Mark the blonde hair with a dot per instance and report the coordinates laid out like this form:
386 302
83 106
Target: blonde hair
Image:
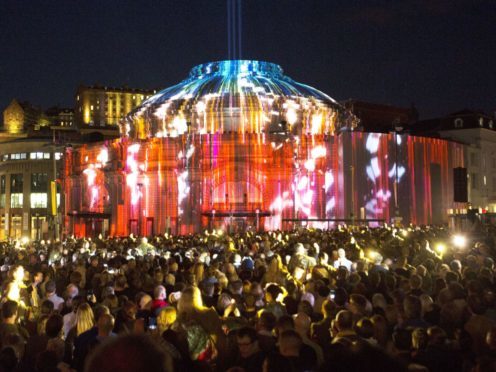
85 319
166 318
189 302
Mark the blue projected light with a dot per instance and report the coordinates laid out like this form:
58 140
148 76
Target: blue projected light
238 95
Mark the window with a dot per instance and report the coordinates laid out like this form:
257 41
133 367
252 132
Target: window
458 123
58 155
39 182
39 200
3 182
474 159
16 200
5 157
474 178
36 155
16 183
16 190
46 155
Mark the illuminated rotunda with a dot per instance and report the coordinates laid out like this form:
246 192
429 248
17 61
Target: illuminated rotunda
240 145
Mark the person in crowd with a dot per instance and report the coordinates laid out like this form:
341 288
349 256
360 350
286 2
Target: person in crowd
342 260
51 295
249 355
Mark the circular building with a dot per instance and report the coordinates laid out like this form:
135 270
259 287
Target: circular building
238 145
235 97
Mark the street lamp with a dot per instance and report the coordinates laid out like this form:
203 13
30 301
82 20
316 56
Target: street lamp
139 186
397 129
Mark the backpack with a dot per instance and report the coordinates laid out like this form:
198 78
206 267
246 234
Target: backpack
200 345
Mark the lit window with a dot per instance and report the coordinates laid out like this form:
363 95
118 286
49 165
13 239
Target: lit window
46 155
77 97
39 200
58 155
91 107
16 200
23 155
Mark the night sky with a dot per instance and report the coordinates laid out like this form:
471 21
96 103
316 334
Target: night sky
438 54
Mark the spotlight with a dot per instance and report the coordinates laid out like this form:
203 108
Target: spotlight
440 248
459 241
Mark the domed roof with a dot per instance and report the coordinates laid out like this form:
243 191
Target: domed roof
234 96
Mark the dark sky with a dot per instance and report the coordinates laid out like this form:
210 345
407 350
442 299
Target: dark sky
438 54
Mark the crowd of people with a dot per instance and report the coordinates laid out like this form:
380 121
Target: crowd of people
349 299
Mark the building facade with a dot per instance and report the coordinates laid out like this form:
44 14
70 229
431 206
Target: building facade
478 132
27 169
101 106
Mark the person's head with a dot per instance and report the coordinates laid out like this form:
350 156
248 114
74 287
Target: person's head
341 253
358 304
284 323
9 310
247 340
266 321
328 308
105 324
344 320
419 339
38 277
300 248
145 302
50 287
46 307
272 292
412 307
41 324
190 300
427 303
415 281
166 317
129 310
72 291
491 338
53 327
365 328
159 292
290 343
18 273
133 353
85 319
302 324
437 335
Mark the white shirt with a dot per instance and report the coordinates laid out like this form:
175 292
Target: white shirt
69 322
56 300
343 262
